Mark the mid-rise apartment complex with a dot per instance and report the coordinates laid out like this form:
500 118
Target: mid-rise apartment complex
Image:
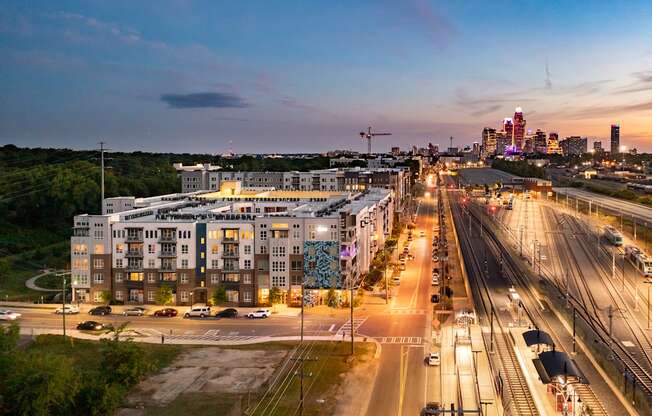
209 178
246 239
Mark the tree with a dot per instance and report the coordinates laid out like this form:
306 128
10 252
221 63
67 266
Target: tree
275 296
41 385
219 296
331 298
106 296
164 295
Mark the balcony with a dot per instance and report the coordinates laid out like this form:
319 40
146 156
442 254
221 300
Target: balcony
134 253
167 268
134 238
81 232
135 267
167 238
230 254
167 253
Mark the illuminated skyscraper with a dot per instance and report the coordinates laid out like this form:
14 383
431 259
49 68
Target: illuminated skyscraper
552 147
615 139
508 128
488 142
519 130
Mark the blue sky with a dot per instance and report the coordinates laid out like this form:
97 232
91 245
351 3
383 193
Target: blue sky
307 76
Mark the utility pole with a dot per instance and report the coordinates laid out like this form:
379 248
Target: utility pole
63 303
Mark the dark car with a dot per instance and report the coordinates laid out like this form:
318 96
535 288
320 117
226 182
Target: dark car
90 326
227 313
100 310
166 312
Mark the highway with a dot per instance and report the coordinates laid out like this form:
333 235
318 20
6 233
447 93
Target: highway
615 205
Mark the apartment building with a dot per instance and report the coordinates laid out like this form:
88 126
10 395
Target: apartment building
209 178
247 240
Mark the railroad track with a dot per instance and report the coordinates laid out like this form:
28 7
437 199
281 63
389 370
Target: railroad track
517 398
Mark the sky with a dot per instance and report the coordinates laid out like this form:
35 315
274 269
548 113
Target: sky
307 76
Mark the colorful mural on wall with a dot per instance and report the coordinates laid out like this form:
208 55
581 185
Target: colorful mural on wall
321 265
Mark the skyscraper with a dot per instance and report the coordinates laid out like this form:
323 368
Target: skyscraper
615 139
573 145
488 142
508 128
552 147
540 141
519 129
502 142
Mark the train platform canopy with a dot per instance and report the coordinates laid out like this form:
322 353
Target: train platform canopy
557 367
537 337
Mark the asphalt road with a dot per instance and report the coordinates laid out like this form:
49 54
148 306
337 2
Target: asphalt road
402 384
629 209
482 176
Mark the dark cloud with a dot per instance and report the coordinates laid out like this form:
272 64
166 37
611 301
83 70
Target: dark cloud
643 83
204 100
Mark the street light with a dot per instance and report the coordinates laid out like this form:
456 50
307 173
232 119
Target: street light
623 149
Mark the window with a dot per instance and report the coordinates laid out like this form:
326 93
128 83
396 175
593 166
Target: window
263 249
151 278
246 296
247 249
228 234
151 249
246 278
297 265
230 265
232 295
118 295
98 263
151 296
151 263
184 248
278 281
215 264
119 248
262 265
215 278
263 235
246 235
184 296
97 297
215 249
247 264
184 264
118 263
98 278
231 277
118 277
184 278
296 250
99 248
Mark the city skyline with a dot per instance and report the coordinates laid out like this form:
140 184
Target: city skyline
278 79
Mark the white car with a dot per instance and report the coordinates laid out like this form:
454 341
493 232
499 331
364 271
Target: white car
434 359
69 309
396 280
260 313
435 281
7 315
201 312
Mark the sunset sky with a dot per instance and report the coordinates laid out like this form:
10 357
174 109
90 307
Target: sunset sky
293 76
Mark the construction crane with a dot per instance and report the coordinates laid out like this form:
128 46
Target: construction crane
370 135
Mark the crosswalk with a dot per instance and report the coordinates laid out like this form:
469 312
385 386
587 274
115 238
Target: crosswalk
346 328
400 340
408 312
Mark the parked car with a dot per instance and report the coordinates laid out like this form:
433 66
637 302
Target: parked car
69 309
410 256
100 310
135 311
396 280
434 359
169 312
90 326
260 313
7 315
198 312
435 281
227 313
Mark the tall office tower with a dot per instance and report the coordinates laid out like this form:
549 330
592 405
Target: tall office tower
552 147
573 145
502 142
519 130
488 142
540 141
476 149
615 139
508 128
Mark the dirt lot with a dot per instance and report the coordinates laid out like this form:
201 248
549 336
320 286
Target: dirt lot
210 371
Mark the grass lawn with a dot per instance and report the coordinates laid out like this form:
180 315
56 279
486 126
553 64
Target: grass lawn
84 353
197 404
